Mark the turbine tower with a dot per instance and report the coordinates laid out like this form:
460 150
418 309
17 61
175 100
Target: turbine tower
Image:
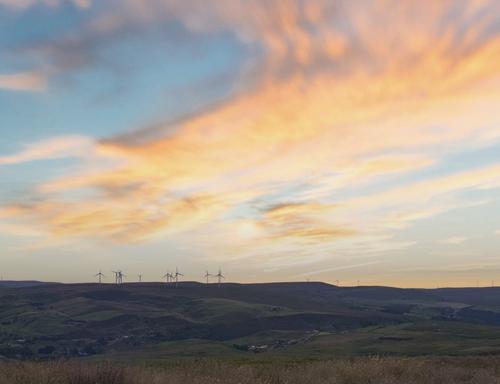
140 277
167 276
219 277
207 275
100 275
120 277
176 276
117 277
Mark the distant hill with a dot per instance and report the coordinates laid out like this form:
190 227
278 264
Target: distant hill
155 320
20 283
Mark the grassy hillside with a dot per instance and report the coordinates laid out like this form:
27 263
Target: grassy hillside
359 371
282 320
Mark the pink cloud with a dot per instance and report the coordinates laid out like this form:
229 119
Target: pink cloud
23 81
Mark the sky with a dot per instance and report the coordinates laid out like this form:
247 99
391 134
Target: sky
326 140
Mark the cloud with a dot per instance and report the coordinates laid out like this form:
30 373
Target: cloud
23 81
338 268
302 221
54 148
341 102
454 240
120 219
421 199
11 229
22 4
300 36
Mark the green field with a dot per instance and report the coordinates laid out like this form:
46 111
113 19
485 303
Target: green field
252 322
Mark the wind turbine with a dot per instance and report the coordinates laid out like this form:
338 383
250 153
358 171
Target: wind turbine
140 277
176 276
219 277
167 276
207 275
100 275
117 276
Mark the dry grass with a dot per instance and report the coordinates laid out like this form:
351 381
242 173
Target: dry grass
479 370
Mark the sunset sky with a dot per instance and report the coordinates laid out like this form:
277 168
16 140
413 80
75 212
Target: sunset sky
281 140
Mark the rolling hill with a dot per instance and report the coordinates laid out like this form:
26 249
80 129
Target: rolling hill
154 320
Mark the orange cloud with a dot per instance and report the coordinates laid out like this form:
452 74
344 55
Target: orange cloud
338 105
120 219
302 221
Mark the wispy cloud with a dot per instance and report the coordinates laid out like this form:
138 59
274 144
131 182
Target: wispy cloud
54 148
23 81
342 102
22 4
304 37
454 240
306 221
338 268
11 229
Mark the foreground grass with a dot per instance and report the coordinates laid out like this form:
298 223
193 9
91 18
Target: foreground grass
471 370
